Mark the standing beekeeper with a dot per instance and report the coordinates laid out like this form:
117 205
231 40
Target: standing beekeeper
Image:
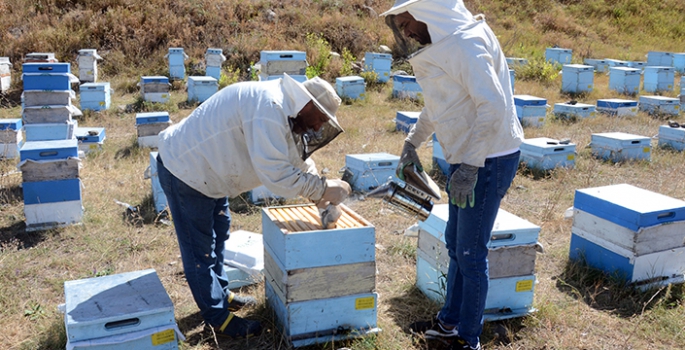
469 105
246 135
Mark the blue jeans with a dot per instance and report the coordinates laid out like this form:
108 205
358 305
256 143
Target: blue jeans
201 225
467 235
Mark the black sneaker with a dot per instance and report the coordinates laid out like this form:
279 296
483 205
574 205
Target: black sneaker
237 302
236 327
459 343
433 329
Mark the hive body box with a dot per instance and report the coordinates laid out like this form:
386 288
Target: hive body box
512 253
659 58
11 138
88 65
320 283
275 63
154 88
617 107
351 87
50 114
5 74
50 131
672 137
124 311
48 76
404 120
641 240
149 125
365 172
571 111
516 61
679 62
40 57
619 146
557 55
577 78
95 96
177 67
89 138
201 88
379 63
637 64
214 58
531 110
600 65
660 105
616 63
624 80
244 258
544 154
659 79
39 98
405 86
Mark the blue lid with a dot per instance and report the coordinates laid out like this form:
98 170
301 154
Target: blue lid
10 124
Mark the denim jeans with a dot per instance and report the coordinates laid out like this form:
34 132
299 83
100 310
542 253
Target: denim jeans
201 225
467 235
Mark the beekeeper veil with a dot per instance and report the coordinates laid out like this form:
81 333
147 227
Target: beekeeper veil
442 17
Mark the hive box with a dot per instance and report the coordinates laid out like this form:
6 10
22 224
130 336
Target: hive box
439 161
557 55
40 57
616 63
544 154
379 63
659 58
405 120
39 98
90 138
95 96
405 86
158 196
10 124
88 65
660 105
319 282
577 78
365 172
279 62
149 125
617 107
201 88
214 57
5 74
50 114
672 137
154 88
11 138
658 79
52 203
48 81
637 64
49 150
176 58
244 258
50 131
619 146
531 110
49 170
570 111
516 61
624 80
352 87
45 68
129 311
600 65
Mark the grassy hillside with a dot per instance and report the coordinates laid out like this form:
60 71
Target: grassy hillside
577 308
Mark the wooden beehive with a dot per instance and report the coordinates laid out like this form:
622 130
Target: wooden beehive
307 218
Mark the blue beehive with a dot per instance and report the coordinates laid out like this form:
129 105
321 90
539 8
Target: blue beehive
544 154
11 138
214 58
679 62
148 127
41 68
616 63
177 68
600 65
405 86
638 240
660 105
619 146
637 64
617 107
379 63
439 161
314 296
123 311
154 88
511 255
158 196
89 138
365 172
516 61
152 117
51 191
659 58
577 78
49 150
52 203
48 81
557 55
95 96
10 124
531 110
405 120
573 111
276 63
672 137
624 80
659 79
200 88
50 131
351 87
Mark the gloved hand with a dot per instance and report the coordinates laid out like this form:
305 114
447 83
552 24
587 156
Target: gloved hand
408 157
462 184
335 193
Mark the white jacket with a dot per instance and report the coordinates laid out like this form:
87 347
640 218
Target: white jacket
466 86
239 139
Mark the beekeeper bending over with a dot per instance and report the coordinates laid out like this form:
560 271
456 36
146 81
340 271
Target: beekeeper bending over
246 135
469 105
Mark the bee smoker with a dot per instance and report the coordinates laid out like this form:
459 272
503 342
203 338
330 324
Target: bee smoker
413 197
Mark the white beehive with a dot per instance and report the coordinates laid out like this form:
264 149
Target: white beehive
88 65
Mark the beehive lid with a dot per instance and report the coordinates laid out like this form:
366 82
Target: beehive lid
301 218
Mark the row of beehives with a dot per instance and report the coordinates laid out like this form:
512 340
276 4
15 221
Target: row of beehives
563 56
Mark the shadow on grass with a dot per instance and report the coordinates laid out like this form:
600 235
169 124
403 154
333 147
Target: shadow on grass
54 337
12 195
611 292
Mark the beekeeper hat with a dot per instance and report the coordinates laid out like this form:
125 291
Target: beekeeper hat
399 7
324 97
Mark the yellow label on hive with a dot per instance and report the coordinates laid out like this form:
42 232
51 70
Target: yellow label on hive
571 157
364 303
163 337
646 150
524 286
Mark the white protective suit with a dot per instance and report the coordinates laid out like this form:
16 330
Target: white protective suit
239 139
465 80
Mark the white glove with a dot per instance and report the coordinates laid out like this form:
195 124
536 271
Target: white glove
335 193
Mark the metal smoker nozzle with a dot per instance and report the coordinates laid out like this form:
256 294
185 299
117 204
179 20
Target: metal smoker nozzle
405 198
